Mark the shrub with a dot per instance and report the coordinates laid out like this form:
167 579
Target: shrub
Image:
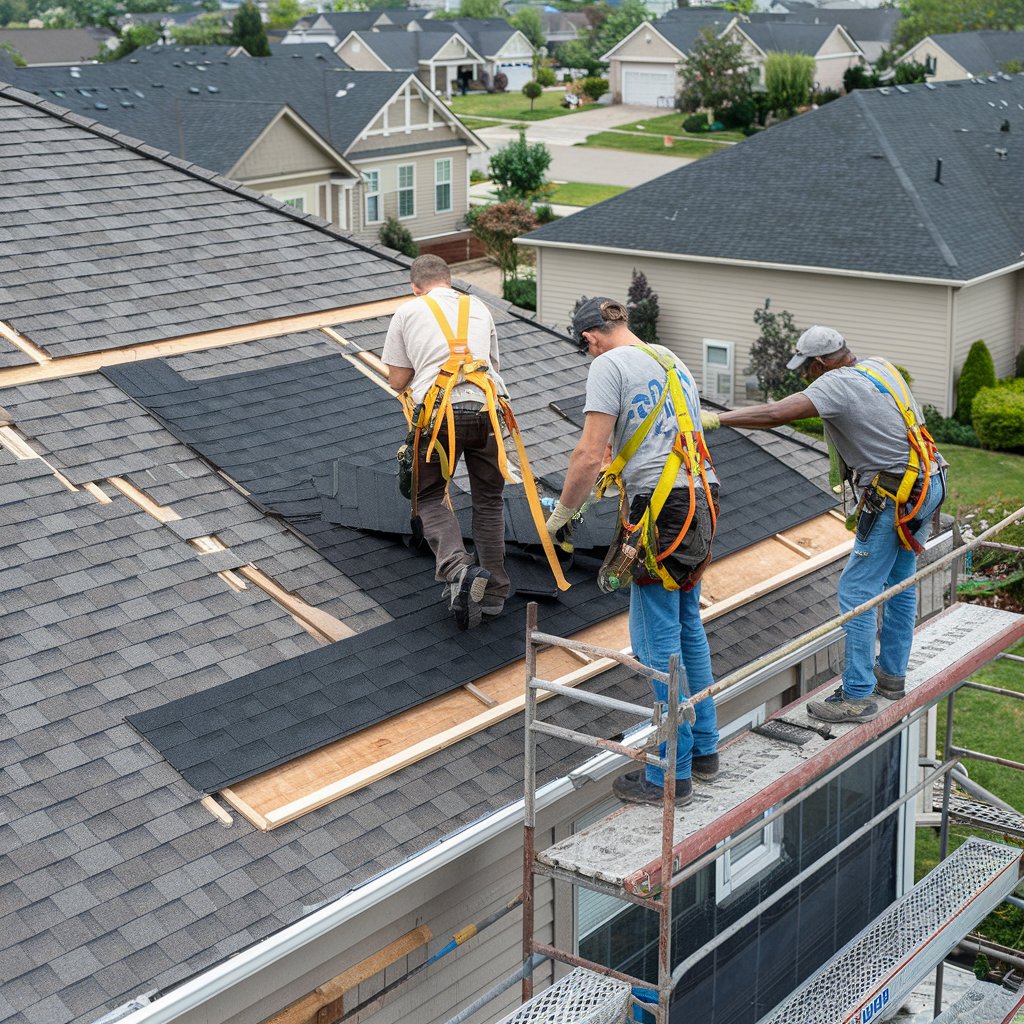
594 88
498 226
823 96
788 78
544 213
476 176
948 430
546 76
500 83
1018 370
998 415
522 293
397 236
812 426
531 91
740 115
859 77
518 169
695 123
642 303
978 372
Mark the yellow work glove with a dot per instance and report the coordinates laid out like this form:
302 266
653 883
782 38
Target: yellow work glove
709 420
559 518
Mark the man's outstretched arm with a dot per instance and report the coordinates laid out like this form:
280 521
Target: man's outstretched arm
774 414
585 463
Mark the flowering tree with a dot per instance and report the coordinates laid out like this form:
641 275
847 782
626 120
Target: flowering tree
642 303
498 226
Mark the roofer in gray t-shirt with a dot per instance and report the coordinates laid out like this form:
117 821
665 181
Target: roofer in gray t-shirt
859 403
626 383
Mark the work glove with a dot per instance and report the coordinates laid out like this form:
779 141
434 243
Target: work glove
709 420
559 518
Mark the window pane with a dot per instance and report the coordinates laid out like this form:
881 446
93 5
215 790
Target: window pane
372 181
443 198
372 208
405 204
295 201
405 173
443 171
717 356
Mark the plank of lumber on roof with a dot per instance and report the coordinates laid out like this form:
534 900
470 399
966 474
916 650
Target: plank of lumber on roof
315 779
22 344
70 366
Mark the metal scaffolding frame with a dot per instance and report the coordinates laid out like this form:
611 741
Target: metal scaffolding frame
659 898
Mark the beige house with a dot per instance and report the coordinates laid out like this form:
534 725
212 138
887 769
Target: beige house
956 56
643 68
840 216
352 147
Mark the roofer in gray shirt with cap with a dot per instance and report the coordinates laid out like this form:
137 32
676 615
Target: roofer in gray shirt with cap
875 425
643 401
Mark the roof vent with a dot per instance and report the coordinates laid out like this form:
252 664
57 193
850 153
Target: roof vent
194 89
133 60
1005 126
929 85
212 88
75 73
990 103
902 88
340 93
177 63
1001 153
127 103
885 90
101 106
157 85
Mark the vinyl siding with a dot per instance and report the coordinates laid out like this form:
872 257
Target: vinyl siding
905 322
946 69
399 119
285 149
990 311
426 223
358 56
646 43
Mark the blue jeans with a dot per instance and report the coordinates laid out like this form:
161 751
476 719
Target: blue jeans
666 622
876 563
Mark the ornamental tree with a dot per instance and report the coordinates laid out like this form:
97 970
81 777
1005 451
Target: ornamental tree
771 351
247 30
714 73
498 226
642 303
518 169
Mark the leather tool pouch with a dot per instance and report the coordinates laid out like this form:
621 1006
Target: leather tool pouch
406 456
872 508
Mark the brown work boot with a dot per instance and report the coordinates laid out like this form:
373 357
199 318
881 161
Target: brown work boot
889 687
633 788
837 707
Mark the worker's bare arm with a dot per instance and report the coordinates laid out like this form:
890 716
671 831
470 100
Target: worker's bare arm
400 377
775 414
587 458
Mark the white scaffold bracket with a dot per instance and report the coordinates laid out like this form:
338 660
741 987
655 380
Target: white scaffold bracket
581 997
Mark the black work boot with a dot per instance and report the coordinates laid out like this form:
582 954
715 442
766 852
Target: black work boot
705 767
633 788
889 687
465 592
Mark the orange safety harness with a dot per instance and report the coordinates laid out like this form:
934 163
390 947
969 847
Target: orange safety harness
436 408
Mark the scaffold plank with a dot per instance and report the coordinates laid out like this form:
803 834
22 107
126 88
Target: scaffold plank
757 772
872 974
581 997
982 1003
995 819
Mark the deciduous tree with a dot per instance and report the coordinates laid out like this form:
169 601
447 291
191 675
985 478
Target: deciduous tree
930 17
527 20
132 37
619 23
247 30
715 72
481 9
531 91
518 170
498 226
771 351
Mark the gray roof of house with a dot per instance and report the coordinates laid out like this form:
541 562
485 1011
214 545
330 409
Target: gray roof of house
984 52
113 879
56 45
874 24
170 250
682 26
344 22
849 186
788 37
172 99
401 50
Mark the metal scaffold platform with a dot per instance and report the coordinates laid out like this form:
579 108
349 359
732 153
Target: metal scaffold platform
869 978
976 814
983 1003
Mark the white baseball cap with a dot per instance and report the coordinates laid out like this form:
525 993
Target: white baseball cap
816 341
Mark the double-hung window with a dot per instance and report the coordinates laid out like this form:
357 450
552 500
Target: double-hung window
372 182
443 185
407 190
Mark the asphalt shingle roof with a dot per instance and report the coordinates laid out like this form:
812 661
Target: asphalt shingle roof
141 249
984 52
682 26
185 102
788 37
113 879
849 186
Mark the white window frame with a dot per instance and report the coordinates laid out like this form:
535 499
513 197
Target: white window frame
372 193
411 189
297 198
713 394
438 183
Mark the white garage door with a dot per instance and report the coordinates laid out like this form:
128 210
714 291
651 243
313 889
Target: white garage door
644 88
518 74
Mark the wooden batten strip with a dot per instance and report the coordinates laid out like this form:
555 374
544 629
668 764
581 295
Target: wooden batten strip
365 370
325 1004
335 336
374 361
332 628
793 546
22 344
16 444
210 803
70 366
485 699
161 513
98 493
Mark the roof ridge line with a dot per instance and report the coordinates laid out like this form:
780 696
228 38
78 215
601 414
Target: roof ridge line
904 180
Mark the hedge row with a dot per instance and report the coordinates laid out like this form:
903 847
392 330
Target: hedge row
997 414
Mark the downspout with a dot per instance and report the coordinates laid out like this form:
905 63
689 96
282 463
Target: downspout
951 351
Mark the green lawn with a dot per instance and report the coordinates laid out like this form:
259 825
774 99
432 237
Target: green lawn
475 123
511 105
578 193
672 124
977 477
992 724
691 147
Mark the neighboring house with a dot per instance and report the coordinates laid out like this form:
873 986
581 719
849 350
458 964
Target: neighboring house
208 614
433 48
895 215
332 26
962 55
561 26
644 66
353 147
831 47
45 46
872 28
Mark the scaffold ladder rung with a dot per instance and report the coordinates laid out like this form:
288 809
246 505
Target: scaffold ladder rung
872 974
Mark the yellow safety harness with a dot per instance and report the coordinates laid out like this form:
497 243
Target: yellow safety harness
919 464
688 450
436 409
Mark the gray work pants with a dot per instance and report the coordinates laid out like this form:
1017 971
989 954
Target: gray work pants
474 441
